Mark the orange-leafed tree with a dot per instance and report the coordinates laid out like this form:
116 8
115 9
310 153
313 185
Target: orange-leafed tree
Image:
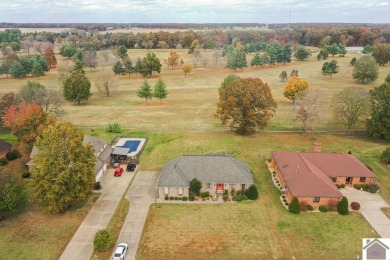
173 59
295 88
246 104
50 57
27 121
187 69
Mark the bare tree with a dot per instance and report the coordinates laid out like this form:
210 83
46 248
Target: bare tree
204 60
6 49
105 83
28 43
105 55
196 56
89 59
217 54
306 110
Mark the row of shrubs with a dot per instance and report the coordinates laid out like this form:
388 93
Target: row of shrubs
340 186
341 207
10 156
373 188
184 198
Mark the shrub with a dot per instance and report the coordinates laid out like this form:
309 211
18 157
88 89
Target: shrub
309 207
365 186
225 197
342 185
338 186
26 175
284 200
184 198
207 194
113 128
238 193
97 186
203 195
13 198
225 192
323 208
180 198
286 204
166 197
171 198
252 192
342 208
195 186
12 155
239 198
102 240
373 188
283 196
357 186
294 206
355 205
385 157
176 198
3 161
277 181
232 192
191 197
245 197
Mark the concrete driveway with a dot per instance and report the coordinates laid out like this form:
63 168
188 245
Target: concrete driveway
141 194
370 207
81 245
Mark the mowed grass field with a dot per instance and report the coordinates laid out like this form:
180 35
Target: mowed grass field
191 102
261 229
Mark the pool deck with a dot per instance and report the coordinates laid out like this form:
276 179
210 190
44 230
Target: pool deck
122 141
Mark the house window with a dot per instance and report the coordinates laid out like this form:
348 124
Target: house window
233 186
334 179
316 199
166 190
180 191
208 185
362 179
242 186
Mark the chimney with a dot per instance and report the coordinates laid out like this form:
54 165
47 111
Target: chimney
317 147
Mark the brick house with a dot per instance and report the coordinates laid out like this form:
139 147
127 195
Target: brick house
312 176
4 148
216 172
102 151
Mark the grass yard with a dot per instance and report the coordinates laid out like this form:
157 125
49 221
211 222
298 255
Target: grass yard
34 235
191 103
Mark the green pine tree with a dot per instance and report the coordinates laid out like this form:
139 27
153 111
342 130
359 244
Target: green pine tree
160 90
145 91
342 207
37 70
294 206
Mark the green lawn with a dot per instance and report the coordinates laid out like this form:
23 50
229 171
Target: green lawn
191 103
5 135
262 228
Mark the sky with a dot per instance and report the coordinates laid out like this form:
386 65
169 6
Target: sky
195 11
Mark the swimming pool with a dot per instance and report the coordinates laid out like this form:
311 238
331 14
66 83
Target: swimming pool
131 144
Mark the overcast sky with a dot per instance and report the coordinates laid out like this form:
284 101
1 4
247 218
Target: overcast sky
194 11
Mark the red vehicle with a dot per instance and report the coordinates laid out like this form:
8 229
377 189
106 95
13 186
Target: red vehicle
118 171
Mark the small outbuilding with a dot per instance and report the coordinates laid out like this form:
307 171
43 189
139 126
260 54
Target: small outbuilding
4 148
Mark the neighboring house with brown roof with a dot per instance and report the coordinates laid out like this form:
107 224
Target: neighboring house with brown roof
312 176
216 172
102 152
4 148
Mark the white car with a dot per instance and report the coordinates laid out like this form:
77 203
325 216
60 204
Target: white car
120 251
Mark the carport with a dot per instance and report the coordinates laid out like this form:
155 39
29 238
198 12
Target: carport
119 154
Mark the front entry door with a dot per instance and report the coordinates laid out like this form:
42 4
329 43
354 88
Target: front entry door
348 180
219 186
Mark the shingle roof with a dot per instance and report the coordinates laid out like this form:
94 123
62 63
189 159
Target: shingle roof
206 168
4 146
308 174
97 143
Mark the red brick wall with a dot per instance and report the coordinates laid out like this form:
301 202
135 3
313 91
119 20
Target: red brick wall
355 180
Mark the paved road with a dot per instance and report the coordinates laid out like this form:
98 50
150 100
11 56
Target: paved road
370 207
141 194
81 245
